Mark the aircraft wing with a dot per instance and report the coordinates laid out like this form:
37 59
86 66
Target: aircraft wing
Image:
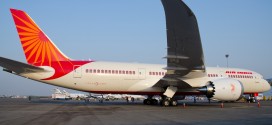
184 49
185 57
18 67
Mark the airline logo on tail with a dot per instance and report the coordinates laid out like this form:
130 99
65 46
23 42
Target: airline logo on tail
38 48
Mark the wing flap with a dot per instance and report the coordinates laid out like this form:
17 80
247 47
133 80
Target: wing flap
18 67
170 81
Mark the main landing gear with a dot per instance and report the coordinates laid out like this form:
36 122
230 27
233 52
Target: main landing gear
167 98
150 101
168 102
165 101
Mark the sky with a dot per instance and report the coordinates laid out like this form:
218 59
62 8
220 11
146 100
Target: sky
135 31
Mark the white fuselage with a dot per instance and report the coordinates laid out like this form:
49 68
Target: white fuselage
134 78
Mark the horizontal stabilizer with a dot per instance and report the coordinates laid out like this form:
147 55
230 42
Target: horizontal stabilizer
18 67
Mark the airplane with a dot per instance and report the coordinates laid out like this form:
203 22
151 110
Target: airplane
269 81
184 74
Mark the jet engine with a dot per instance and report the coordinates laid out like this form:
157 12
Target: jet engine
224 89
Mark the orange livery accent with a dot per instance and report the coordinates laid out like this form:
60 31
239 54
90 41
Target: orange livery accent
38 48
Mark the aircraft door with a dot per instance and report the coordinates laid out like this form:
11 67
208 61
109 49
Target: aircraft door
77 71
141 73
222 74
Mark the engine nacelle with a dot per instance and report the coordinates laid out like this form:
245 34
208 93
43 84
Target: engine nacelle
224 89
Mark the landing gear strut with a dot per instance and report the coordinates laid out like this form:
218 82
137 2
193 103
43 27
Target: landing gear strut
167 99
252 97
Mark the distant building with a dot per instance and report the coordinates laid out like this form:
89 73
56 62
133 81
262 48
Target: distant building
65 95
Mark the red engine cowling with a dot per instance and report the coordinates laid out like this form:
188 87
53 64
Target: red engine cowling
224 89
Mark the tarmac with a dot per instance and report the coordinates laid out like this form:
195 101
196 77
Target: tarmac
61 112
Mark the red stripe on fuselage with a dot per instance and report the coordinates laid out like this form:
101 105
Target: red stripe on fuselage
66 67
144 93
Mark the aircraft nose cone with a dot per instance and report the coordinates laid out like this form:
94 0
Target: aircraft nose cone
267 86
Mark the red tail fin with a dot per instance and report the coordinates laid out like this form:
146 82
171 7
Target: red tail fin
38 48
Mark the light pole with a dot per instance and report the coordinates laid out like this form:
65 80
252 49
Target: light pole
227 57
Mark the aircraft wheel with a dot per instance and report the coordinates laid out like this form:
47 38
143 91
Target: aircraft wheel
165 103
174 103
148 102
145 101
154 102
